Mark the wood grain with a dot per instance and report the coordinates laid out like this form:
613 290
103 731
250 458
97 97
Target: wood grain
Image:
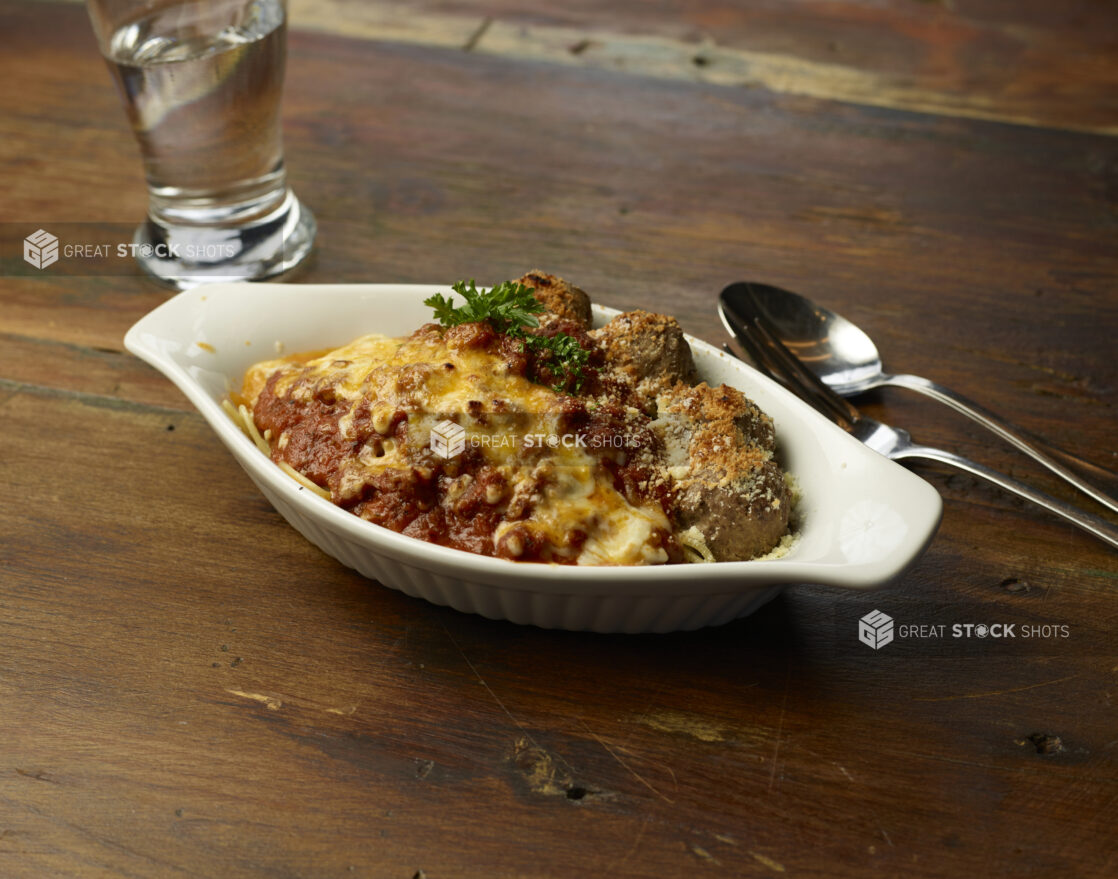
188 688
968 60
1022 65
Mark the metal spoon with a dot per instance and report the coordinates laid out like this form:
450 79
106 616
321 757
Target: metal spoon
847 360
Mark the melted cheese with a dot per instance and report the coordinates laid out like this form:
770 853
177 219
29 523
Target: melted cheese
509 418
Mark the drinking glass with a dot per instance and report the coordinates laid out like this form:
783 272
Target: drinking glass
201 82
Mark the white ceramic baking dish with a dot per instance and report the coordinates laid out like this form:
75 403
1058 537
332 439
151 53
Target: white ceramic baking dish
863 519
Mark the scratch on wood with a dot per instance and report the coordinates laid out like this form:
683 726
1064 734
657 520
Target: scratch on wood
477 35
668 769
625 765
37 775
345 712
272 703
488 689
775 866
992 692
496 698
611 869
939 758
780 725
842 769
651 701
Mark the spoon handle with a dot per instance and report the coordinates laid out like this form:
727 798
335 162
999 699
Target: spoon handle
1100 528
1012 435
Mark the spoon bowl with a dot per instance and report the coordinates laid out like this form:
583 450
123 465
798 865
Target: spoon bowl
836 350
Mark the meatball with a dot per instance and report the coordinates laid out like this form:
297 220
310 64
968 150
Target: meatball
741 519
559 297
647 351
729 488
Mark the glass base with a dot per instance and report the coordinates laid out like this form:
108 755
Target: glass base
184 256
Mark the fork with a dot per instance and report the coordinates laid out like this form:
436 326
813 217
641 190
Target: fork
770 355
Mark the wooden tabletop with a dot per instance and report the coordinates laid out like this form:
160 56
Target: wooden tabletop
188 688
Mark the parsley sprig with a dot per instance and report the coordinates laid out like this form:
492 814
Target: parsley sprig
509 308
